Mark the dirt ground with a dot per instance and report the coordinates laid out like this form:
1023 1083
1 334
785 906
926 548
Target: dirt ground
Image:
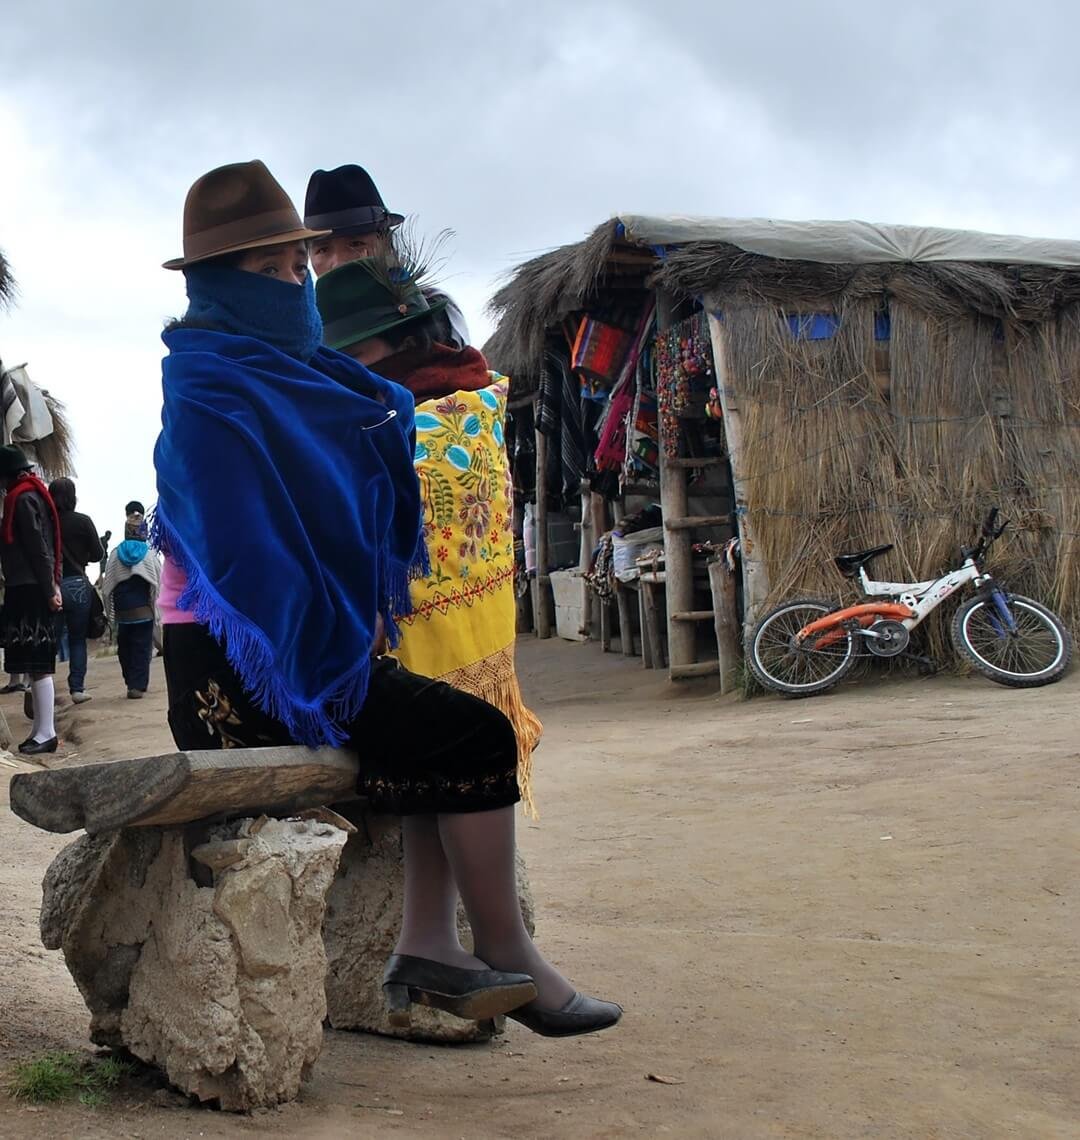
853 916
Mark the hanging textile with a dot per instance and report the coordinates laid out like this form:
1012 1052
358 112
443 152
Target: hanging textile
683 355
559 418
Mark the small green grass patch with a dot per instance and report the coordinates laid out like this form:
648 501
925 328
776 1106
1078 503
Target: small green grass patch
60 1076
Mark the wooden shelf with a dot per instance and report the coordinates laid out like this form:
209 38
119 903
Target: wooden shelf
699 669
690 462
690 522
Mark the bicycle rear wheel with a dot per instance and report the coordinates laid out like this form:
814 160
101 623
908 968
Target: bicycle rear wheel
780 663
1037 653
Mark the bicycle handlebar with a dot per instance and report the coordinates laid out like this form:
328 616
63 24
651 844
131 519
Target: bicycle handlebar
988 535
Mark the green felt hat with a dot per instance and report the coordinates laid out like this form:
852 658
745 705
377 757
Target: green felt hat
365 298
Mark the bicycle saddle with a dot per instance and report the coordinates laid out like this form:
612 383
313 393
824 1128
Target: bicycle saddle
850 564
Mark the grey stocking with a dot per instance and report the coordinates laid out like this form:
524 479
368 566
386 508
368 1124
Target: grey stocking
479 847
429 919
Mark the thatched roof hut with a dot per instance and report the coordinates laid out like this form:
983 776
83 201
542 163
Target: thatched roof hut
890 383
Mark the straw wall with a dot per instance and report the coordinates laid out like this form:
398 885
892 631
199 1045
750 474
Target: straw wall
971 413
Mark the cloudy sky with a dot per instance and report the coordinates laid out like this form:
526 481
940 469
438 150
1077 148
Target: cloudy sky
519 125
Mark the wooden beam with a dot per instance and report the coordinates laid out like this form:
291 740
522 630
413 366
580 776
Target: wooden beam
689 462
725 608
691 522
755 573
647 661
183 786
697 669
693 615
678 557
652 623
626 623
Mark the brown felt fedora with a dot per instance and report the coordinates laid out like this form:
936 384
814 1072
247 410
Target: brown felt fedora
236 207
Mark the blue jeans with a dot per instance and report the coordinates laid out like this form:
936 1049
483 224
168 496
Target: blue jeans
76 616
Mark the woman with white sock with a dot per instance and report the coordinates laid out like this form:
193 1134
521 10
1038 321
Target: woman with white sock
30 554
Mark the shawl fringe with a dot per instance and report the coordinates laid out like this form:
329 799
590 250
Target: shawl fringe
251 655
494 680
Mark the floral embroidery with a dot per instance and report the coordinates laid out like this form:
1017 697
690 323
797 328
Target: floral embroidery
215 710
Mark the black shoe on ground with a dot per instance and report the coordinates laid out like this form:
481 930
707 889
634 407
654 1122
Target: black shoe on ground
581 1014
32 747
15 687
475 995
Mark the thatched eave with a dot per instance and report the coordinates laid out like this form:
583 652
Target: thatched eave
7 282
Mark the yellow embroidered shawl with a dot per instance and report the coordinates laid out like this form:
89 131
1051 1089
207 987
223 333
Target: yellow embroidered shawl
462 629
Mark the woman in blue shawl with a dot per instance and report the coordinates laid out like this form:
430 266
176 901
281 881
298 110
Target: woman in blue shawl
289 516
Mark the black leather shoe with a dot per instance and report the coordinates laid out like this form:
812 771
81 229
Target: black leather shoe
32 748
14 687
475 995
581 1014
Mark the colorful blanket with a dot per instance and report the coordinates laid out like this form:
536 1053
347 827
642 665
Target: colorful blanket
462 628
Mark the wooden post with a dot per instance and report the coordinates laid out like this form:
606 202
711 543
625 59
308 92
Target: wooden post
647 661
626 624
542 596
652 623
726 619
755 573
522 608
678 556
585 549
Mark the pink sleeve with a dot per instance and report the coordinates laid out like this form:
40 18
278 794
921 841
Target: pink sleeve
173 581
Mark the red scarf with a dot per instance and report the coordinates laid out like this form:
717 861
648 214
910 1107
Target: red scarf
434 372
28 482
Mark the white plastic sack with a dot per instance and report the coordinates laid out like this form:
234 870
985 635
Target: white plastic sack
626 551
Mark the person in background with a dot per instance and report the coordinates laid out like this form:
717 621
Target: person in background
31 560
131 584
80 546
347 202
17 683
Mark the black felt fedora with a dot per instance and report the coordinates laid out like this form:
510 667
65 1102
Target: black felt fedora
346 201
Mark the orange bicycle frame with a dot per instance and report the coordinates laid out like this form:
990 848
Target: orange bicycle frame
831 626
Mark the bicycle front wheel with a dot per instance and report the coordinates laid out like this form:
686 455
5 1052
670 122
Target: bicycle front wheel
1036 653
781 663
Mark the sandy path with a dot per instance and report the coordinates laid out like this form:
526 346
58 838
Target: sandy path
846 917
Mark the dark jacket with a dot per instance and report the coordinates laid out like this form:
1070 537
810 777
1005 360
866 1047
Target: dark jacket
80 542
31 558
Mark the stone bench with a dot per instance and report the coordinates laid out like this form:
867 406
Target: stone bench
216 911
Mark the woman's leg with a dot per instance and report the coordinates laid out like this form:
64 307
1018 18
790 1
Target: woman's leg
140 651
445 749
44 691
429 918
480 849
123 650
76 617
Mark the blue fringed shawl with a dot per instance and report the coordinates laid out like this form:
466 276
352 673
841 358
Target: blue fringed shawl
290 501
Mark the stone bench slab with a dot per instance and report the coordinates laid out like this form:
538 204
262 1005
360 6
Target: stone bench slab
181 787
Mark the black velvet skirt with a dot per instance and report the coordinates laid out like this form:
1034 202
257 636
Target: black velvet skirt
28 631
424 747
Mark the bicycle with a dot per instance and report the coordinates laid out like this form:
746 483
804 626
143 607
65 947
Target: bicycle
808 645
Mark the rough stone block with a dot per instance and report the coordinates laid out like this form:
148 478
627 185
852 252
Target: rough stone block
200 949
